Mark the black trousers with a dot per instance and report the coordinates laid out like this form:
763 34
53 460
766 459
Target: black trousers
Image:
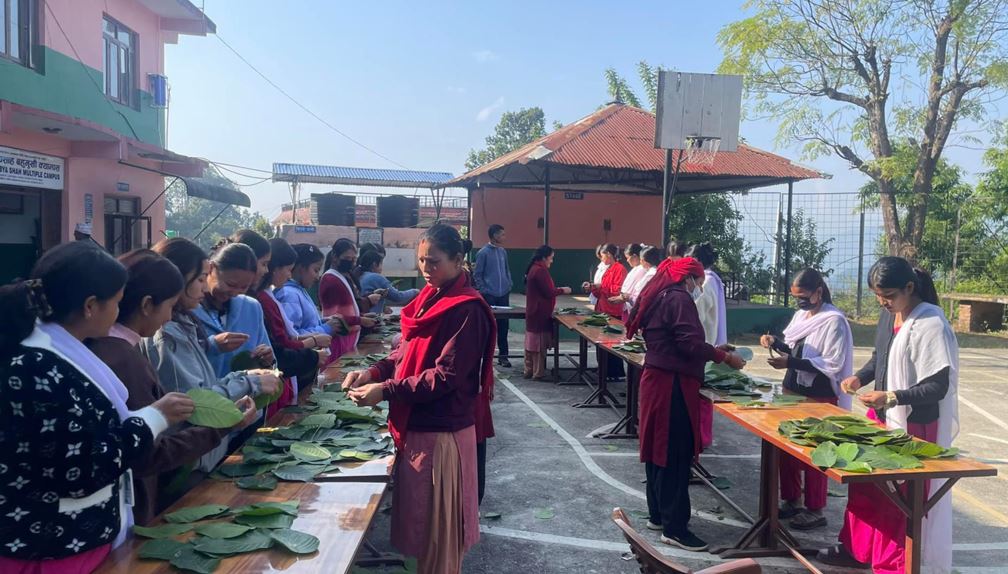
481 468
502 324
668 486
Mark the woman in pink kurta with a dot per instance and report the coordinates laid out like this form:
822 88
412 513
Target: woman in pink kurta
338 291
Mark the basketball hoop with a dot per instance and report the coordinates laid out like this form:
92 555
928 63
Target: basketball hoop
701 150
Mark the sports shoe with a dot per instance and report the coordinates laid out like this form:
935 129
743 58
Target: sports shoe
652 526
504 363
807 520
688 541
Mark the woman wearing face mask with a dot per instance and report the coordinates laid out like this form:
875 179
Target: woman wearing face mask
298 356
670 393
439 383
297 302
609 286
151 292
818 352
711 307
915 367
233 320
67 438
177 349
338 291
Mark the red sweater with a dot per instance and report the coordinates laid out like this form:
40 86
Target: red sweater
540 299
336 298
612 283
275 323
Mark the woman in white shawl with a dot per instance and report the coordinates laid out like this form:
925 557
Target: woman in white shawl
713 317
915 368
818 353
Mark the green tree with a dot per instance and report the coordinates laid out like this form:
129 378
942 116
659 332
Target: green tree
514 130
806 249
621 92
851 78
984 262
187 216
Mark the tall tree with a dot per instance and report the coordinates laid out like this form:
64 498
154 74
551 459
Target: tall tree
806 249
514 130
850 77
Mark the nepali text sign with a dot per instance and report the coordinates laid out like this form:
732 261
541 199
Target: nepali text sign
28 169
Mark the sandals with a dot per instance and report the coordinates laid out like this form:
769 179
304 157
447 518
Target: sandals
837 555
806 520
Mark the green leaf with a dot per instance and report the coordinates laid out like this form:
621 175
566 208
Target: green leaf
545 513
949 452
222 530
213 410
188 559
292 433
162 531
244 469
260 482
299 472
921 449
847 452
295 541
858 467
163 549
491 515
825 455
355 455
309 452
243 361
249 542
271 521
267 508
195 513
318 420
262 401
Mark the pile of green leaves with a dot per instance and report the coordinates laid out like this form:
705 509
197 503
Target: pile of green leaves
573 311
634 346
252 528
857 444
778 401
596 320
335 431
365 361
724 379
612 329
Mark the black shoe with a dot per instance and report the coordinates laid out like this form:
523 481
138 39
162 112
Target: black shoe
787 511
807 520
838 556
504 363
688 541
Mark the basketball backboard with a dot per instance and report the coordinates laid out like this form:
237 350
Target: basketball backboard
698 110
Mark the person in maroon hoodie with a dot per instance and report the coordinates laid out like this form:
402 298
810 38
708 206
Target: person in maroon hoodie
669 429
540 300
438 383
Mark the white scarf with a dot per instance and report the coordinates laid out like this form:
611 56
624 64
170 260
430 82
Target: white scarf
925 345
713 282
599 273
338 275
639 287
829 346
632 278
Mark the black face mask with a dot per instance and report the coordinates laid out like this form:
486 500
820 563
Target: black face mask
804 303
345 266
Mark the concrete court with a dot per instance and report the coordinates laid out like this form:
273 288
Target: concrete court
543 461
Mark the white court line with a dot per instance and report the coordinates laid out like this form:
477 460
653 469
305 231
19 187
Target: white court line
629 454
594 468
984 413
983 436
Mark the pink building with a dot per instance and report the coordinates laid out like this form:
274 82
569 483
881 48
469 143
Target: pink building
82 122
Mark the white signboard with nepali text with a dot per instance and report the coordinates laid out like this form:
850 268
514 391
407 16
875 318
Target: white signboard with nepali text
27 169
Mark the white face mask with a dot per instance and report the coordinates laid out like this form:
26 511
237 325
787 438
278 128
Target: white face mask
696 292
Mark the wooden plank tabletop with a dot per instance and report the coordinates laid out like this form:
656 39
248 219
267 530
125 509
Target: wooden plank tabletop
337 514
508 312
763 422
593 334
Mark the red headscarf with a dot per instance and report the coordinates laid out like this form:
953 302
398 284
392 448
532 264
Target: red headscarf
669 273
420 322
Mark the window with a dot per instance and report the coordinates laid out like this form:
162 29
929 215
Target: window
119 61
17 29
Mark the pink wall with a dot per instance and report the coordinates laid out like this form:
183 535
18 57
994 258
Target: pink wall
574 224
36 142
99 178
82 22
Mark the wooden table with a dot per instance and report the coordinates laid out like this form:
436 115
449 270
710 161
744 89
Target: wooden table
337 514
600 396
768 537
627 425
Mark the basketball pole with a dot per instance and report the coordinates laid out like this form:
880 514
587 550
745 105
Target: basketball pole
668 192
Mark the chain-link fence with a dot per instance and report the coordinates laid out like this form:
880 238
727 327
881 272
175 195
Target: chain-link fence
832 232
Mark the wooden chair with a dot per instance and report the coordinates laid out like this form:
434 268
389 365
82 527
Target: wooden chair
653 562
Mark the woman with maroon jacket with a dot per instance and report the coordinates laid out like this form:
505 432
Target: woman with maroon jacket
670 393
437 381
540 300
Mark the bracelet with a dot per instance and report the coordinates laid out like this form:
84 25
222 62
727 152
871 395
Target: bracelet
890 399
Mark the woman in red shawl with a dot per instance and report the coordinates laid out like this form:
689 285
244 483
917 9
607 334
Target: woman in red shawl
540 300
670 393
610 286
439 384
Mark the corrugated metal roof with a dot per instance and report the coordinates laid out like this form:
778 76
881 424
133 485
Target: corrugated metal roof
334 175
622 137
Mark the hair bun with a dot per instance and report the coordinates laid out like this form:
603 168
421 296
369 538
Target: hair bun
37 301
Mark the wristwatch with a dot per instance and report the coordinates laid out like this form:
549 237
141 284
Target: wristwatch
890 399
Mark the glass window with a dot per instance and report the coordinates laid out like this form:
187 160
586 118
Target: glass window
17 29
14 22
120 55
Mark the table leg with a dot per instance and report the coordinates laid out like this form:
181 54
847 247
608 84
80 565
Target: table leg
601 397
556 351
915 526
627 426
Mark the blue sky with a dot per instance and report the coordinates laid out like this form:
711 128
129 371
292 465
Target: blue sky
424 82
